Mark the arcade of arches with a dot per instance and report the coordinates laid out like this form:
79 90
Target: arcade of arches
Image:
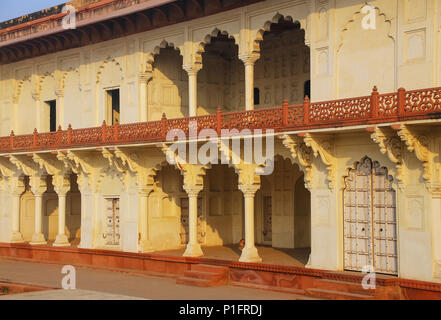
349 196
281 72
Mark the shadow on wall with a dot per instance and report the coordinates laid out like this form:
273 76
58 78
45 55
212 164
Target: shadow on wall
168 90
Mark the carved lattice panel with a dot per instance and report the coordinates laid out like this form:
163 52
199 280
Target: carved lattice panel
370 219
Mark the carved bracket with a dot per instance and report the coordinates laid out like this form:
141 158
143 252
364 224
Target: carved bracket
419 144
27 165
323 146
300 151
391 145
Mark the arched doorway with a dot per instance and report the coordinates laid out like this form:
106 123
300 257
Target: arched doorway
168 89
370 222
283 70
222 75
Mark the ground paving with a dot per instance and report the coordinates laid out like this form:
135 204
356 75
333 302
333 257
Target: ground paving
94 284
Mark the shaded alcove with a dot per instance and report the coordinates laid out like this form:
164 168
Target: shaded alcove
221 79
283 70
167 91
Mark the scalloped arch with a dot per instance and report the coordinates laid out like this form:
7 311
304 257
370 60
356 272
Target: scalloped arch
374 164
64 76
267 27
41 80
103 65
157 51
207 40
354 17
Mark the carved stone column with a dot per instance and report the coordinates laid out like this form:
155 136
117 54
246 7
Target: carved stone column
16 189
144 221
249 183
192 71
249 253
249 60
60 108
39 112
38 187
62 187
193 246
143 79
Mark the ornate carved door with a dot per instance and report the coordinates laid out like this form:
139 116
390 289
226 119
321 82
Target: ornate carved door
370 227
112 235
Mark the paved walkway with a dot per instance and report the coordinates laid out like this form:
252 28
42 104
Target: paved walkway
98 284
269 255
67 295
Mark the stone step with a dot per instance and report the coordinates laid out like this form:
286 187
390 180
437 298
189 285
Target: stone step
209 268
344 286
337 295
203 275
195 282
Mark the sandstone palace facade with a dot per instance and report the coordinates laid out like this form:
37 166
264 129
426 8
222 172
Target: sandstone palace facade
84 115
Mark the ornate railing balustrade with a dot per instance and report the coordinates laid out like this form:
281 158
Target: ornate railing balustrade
374 109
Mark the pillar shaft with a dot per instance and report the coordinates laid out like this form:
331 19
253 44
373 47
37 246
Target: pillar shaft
193 246
61 240
192 71
249 86
144 221
16 235
38 237
249 222
143 80
192 94
249 253
249 60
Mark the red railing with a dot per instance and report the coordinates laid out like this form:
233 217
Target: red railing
374 109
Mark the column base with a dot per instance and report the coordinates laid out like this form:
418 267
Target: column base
38 239
146 246
250 255
61 241
16 237
193 250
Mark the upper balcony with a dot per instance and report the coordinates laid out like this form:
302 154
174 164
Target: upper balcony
367 112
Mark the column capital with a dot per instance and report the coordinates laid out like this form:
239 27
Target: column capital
193 191
249 58
38 184
144 77
249 190
192 69
59 93
16 185
35 95
61 184
145 190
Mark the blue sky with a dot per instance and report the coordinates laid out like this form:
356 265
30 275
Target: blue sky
15 8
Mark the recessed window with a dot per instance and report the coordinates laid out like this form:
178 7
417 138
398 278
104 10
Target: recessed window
52 108
113 106
256 96
307 89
